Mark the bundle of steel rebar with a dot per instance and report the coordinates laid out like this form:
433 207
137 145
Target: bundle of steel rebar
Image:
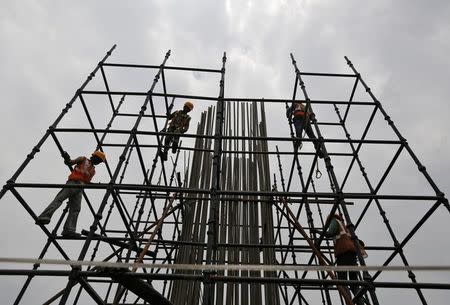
239 221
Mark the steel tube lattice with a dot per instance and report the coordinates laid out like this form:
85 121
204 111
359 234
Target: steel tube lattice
235 193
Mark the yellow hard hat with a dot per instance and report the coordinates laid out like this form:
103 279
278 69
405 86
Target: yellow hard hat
99 154
189 105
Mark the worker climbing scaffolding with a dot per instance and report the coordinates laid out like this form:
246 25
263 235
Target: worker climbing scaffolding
82 173
283 201
345 251
179 124
301 117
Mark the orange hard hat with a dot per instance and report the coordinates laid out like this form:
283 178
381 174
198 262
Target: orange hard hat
189 105
99 154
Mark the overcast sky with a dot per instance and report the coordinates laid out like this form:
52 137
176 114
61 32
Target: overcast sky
49 47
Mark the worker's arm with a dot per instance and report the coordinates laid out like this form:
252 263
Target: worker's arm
77 160
68 161
333 229
171 115
289 111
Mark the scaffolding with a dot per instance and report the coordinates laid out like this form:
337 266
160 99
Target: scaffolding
238 213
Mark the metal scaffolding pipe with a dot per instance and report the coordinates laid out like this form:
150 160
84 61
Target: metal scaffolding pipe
224 212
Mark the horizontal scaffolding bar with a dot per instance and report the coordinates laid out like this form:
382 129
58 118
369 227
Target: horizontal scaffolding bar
160 67
328 74
229 99
213 70
144 116
215 278
311 201
285 139
224 192
201 267
250 152
242 245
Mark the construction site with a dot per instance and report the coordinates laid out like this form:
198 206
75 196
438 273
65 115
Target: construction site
238 212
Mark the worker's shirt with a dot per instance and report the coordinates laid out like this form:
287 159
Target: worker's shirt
179 121
299 110
83 171
342 240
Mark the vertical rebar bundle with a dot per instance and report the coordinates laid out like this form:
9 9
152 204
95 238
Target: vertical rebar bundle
238 220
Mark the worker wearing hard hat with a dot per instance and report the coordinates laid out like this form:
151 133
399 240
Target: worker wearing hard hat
82 173
345 250
179 123
302 121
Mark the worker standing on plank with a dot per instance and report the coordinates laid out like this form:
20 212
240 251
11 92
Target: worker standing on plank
82 173
179 123
302 121
344 250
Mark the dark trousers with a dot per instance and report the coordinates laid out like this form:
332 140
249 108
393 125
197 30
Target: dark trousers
299 124
170 138
74 195
348 259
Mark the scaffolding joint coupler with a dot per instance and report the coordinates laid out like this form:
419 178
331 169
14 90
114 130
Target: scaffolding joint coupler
143 109
35 150
121 158
363 171
75 274
340 196
110 185
9 184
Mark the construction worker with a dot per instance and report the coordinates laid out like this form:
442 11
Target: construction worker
302 121
344 250
82 173
179 123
